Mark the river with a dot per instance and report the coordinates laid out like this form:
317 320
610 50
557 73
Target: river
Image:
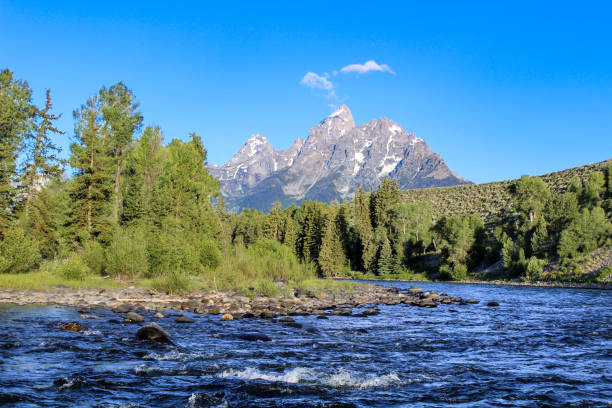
540 347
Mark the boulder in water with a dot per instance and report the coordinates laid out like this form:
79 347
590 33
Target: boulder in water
72 326
427 302
472 301
492 304
286 319
184 319
132 317
414 290
227 317
123 308
154 332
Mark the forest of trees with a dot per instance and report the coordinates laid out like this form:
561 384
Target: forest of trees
128 206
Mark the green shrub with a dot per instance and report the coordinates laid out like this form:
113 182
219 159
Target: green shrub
534 269
74 268
93 255
210 255
19 252
445 272
126 256
603 274
460 272
267 288
174 283
172 252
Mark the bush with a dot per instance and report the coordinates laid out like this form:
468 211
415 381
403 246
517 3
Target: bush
534 269
174 283
267 288
603 274
210 255
19 252
93 255
126 256
74 268
460 272
171 252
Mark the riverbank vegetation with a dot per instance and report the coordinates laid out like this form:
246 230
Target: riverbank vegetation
129 208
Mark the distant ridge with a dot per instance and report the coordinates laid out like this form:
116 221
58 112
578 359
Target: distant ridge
334 160
491 200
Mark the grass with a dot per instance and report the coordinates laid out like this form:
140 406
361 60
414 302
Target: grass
44 279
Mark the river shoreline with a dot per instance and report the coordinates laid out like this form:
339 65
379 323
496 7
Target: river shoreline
232 305
562 285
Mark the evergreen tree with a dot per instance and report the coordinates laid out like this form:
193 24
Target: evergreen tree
332 261
385 262
16 113
92 184
119 111
143 166
309 240
368 245
41 164
273 227
387 195
289 233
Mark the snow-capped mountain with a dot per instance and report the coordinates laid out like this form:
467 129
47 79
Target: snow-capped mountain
335 160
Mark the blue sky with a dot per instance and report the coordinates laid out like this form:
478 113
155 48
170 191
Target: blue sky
499 89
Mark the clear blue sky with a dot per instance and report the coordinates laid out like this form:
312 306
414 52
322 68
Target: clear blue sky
499 89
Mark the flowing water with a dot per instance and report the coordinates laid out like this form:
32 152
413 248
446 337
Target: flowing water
541 347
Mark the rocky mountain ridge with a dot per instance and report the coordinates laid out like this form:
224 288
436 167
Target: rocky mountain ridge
334 160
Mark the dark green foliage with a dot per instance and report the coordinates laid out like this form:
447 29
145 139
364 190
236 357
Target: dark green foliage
463 242
92 182
16 113
19 251
41 162
332 260
210 255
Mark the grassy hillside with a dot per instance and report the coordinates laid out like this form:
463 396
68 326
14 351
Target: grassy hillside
491 200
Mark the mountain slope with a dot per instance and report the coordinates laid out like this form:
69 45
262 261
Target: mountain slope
335 160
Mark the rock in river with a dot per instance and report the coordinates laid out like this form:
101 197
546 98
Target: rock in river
184 319
154 332
492 304
72 326
123 308
414 290
132 317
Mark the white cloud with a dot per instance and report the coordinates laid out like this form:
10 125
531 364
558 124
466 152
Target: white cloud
313 80
368 66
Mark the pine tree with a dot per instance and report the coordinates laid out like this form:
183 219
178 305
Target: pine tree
142 168
119 111
365 231
385 262
289 233
16 114
92 183
273 226
42 163
332 261
387 195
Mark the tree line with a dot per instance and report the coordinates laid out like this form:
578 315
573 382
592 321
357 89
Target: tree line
136 207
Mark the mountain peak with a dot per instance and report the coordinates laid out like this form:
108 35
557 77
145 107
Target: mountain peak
334 160
343 113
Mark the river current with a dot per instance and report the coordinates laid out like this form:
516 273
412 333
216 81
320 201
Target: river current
541 347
